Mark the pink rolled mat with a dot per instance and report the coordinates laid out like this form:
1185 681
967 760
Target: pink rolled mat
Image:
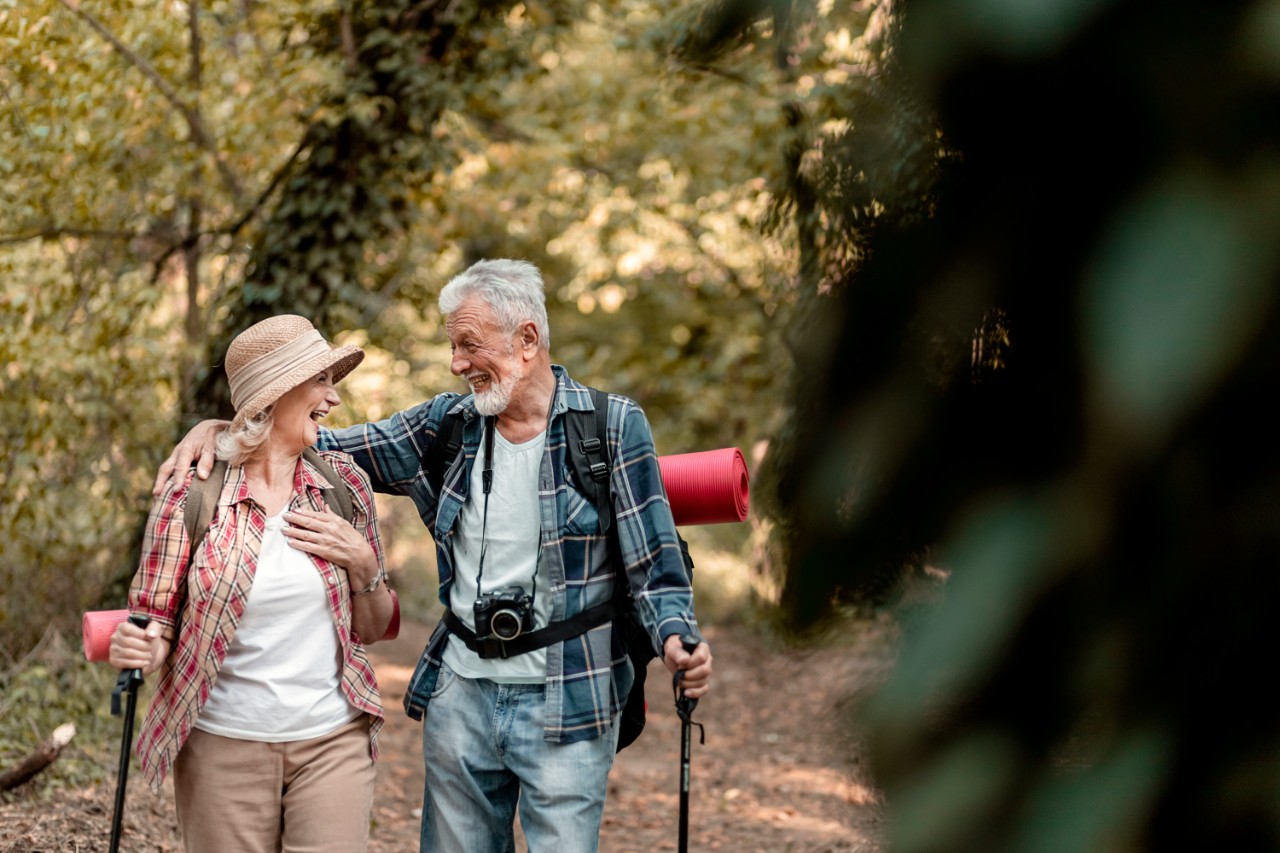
98 626
709 487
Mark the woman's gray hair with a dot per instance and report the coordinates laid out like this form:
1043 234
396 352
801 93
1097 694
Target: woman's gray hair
513 289
238 446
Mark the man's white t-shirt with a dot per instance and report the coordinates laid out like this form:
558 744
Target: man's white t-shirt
511 545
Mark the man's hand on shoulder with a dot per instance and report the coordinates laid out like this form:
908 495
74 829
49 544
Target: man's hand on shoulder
197 445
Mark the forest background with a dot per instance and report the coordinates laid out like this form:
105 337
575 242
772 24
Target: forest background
983 289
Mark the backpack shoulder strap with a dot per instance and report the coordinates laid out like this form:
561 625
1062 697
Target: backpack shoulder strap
587 447
200 502
339 497
444 449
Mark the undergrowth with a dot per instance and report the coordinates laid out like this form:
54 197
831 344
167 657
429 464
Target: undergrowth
51 685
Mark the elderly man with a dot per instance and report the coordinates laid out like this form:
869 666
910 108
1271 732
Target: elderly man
519 547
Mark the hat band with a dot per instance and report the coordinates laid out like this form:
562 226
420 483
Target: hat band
261 372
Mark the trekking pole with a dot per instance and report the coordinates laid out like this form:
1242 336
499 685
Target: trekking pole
128 683
684 709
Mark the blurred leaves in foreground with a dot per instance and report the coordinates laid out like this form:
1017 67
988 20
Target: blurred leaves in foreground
1105 502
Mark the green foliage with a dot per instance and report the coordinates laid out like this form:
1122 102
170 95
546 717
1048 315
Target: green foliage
852 151
81 361
339 239
131 145
642 208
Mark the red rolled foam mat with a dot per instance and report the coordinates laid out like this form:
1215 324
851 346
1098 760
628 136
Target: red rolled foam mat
97 628
709 487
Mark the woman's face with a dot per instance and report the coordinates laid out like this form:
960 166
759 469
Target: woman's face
296 415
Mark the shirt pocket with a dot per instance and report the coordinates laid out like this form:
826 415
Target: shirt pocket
202 581
209 566
579 515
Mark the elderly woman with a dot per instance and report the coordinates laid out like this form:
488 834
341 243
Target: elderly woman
267 708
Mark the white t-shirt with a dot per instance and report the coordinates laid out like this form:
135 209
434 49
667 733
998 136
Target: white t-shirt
511 545
280 680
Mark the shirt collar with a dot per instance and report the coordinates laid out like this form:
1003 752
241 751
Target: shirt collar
305 476
308 476
570 394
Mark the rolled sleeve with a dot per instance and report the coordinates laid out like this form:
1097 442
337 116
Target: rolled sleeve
157 587
650 545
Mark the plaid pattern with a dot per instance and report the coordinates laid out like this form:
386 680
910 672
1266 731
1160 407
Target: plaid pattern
588 676
202 600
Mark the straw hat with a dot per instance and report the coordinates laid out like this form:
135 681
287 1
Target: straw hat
271 358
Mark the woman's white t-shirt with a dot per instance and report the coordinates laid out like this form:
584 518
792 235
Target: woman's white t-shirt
280 680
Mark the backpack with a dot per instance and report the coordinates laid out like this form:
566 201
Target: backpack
587 453
202 496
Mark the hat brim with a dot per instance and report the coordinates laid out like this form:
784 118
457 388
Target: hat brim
340 360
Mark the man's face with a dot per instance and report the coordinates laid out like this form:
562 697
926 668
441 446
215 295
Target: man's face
484 355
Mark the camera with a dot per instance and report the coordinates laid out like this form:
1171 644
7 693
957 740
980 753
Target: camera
504 614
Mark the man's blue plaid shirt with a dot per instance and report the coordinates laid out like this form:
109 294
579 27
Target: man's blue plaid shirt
588 676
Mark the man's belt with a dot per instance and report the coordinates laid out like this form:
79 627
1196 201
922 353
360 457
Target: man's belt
492 647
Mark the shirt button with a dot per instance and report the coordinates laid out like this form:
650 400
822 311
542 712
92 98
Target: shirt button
331 581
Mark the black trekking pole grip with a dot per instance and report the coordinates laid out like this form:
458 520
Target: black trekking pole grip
684 705
127 683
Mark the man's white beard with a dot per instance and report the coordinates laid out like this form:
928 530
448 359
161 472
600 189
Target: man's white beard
495 399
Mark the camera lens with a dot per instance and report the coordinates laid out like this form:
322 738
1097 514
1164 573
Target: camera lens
505 625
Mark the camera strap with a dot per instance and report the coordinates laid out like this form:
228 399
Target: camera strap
488 428
486 480
565 629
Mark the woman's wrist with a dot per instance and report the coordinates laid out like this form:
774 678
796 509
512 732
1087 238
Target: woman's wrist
377 581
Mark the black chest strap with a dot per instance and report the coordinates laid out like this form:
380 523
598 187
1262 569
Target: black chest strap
488 647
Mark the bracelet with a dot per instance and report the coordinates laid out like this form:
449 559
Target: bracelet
377 579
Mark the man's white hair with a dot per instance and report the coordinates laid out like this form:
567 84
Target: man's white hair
513 289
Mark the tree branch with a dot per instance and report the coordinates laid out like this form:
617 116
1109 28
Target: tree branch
42 757
199 133
53 232
284 169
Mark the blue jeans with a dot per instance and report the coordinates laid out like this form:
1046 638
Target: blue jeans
485 756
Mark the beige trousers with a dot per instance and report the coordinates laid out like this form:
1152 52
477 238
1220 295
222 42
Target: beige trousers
248 796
